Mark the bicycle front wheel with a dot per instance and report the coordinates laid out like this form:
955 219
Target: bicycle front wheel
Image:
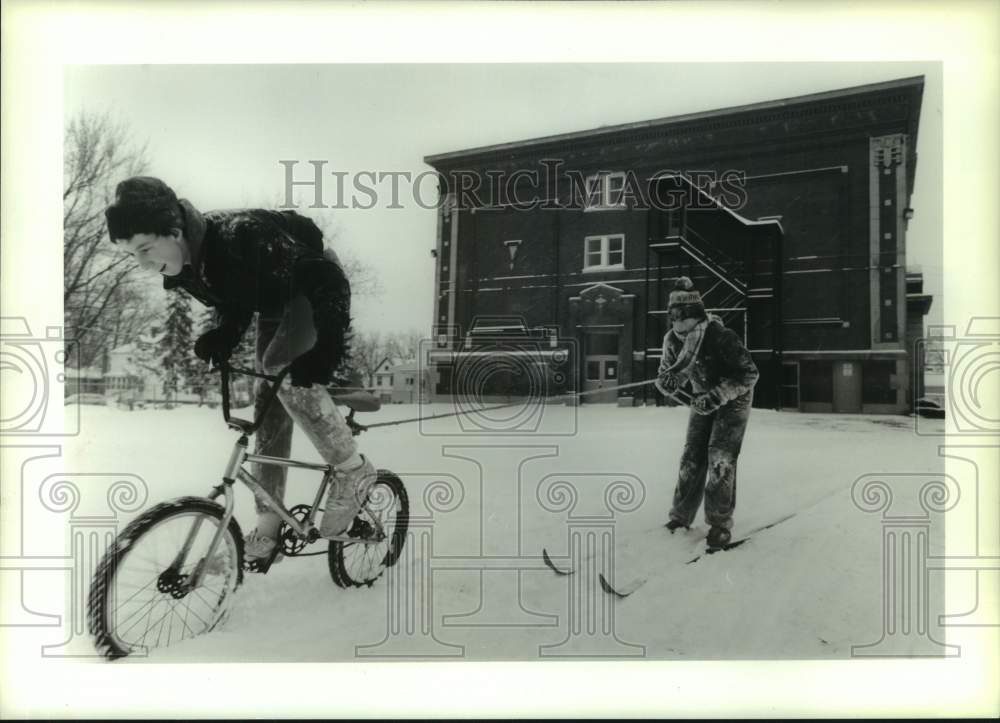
141 596
353 564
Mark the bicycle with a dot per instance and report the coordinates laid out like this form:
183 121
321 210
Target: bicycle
188 552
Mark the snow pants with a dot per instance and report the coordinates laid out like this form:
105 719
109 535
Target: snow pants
280 339
708 464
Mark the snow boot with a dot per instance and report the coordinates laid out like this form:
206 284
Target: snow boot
718 537
673 525
348 493
260 552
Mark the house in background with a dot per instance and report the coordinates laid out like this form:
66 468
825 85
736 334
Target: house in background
802 252
402 383
86 380
132 375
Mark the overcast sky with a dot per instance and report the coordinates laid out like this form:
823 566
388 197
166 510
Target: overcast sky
217 134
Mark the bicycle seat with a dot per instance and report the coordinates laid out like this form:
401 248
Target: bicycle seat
359 400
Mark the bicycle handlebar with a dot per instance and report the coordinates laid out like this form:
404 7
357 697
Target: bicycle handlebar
249 428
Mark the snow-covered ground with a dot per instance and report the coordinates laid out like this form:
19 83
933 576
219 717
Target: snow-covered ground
810 587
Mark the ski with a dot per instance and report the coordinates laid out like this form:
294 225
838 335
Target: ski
566 570
622 590
625 589
736 543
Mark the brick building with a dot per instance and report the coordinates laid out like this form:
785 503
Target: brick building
554 256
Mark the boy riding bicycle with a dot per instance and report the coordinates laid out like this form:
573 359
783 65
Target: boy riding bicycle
273 264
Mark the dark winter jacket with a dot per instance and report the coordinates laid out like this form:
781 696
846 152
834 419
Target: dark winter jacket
722 364
257 260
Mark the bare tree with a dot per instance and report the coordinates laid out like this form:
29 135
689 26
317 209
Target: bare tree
364 279
367 354
403 345
101 303
365 282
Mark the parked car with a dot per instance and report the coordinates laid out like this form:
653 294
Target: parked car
930 408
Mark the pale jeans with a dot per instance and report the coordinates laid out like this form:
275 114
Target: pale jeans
280 339
708 463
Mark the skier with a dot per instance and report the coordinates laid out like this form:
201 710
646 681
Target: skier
272 263
700 354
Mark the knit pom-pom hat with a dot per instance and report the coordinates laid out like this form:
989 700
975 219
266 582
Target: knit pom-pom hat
684 296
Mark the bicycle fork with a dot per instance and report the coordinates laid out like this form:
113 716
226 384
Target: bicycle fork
233 468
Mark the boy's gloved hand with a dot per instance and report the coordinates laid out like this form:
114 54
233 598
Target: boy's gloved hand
708 403
667 384
313 367
216 345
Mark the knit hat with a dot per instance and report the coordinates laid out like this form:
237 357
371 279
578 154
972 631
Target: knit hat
143 205
684 296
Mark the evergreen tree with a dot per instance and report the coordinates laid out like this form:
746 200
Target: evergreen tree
175 345
245 353
243 356
201 379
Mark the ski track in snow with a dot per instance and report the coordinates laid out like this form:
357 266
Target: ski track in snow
810 587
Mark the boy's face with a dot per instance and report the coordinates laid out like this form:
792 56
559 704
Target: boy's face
681 325
160 254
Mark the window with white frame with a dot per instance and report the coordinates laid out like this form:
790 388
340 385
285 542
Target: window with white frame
606 190
602 253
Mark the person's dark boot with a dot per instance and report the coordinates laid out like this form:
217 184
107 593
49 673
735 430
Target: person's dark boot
673 525
718 537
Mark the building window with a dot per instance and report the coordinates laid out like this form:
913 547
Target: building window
790 385
605 190
816 381
604 253
878 382
390 380
378 381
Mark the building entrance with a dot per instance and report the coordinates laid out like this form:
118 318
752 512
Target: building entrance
600 366
847 387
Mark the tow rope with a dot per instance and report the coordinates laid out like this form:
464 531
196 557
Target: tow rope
686 400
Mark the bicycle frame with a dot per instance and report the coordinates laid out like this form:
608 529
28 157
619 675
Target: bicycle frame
235 471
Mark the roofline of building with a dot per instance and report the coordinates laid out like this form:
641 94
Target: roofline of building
825 96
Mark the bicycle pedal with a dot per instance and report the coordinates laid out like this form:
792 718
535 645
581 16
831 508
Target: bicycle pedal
261 565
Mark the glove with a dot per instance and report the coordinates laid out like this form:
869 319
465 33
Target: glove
667 384
707 403
216 345
313 367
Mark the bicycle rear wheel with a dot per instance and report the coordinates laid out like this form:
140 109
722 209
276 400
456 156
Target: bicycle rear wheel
354 564
140 597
